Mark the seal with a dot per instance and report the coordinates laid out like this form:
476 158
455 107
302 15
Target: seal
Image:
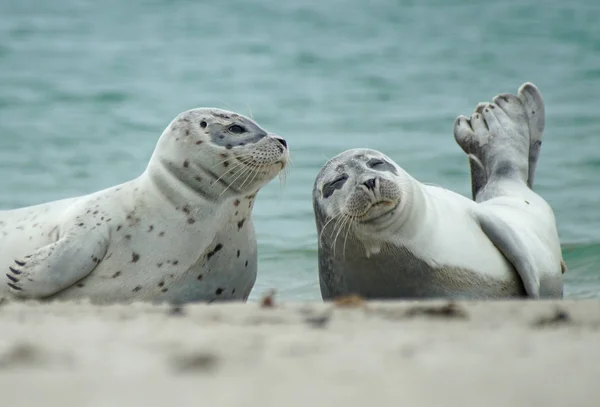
383 234
180 232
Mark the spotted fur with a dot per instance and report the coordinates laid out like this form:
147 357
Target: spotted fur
180 232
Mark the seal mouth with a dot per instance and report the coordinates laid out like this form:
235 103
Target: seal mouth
378 211
263 165
252 171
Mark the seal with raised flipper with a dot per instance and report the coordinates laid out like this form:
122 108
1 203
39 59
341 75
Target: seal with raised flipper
383 234
180 232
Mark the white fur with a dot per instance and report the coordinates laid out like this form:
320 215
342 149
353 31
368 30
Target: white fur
507 234
434 223
441 227
448 232
152 237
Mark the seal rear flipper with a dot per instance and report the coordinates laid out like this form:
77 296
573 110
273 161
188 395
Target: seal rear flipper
54 267
513 248
533 102
478 176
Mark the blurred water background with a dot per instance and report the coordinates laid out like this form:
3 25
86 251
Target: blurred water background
87 87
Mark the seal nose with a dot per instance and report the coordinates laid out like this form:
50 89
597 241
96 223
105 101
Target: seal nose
281 141
370 184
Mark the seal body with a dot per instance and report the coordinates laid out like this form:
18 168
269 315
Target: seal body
383 234
180 232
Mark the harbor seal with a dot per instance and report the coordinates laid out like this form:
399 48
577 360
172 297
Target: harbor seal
180 232
383 234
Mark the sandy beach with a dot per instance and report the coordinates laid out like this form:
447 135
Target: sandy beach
510 353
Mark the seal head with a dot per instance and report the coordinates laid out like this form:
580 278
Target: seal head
219 153
364 190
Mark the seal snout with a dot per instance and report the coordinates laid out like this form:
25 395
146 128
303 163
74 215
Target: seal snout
282 142
373 198
282 148
371 184
372 187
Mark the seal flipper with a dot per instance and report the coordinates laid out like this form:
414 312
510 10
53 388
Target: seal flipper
512 247
464 135
54 267
478 176
533 102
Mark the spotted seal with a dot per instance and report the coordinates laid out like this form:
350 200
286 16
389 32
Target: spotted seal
182 231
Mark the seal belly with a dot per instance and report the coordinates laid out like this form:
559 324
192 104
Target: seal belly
397 273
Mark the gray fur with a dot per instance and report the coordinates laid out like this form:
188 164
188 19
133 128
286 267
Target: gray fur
478 177
396 271
498 162
511 244
508 140
534 105
221 135
511 228
382 165
530 98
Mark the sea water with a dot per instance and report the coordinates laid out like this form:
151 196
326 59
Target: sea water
86 88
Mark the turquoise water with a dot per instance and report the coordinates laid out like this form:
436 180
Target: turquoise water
87 87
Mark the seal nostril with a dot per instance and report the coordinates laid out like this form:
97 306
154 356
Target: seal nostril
370 183
281 141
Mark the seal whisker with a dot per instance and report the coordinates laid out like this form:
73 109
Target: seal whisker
229 159
224 104
350 226
284 174
243 171
225 173
282 181
247 170
346 225
341 223
333 231
331 219
250 168
282 178
254 170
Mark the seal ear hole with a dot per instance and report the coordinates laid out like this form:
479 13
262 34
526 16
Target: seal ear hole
203 124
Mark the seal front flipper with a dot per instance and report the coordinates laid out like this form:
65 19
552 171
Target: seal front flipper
513 248
54 267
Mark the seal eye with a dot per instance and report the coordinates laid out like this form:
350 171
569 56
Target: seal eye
381 165
203 124
236 129
330 187
375 163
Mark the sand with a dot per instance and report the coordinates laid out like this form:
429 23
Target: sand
510 353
